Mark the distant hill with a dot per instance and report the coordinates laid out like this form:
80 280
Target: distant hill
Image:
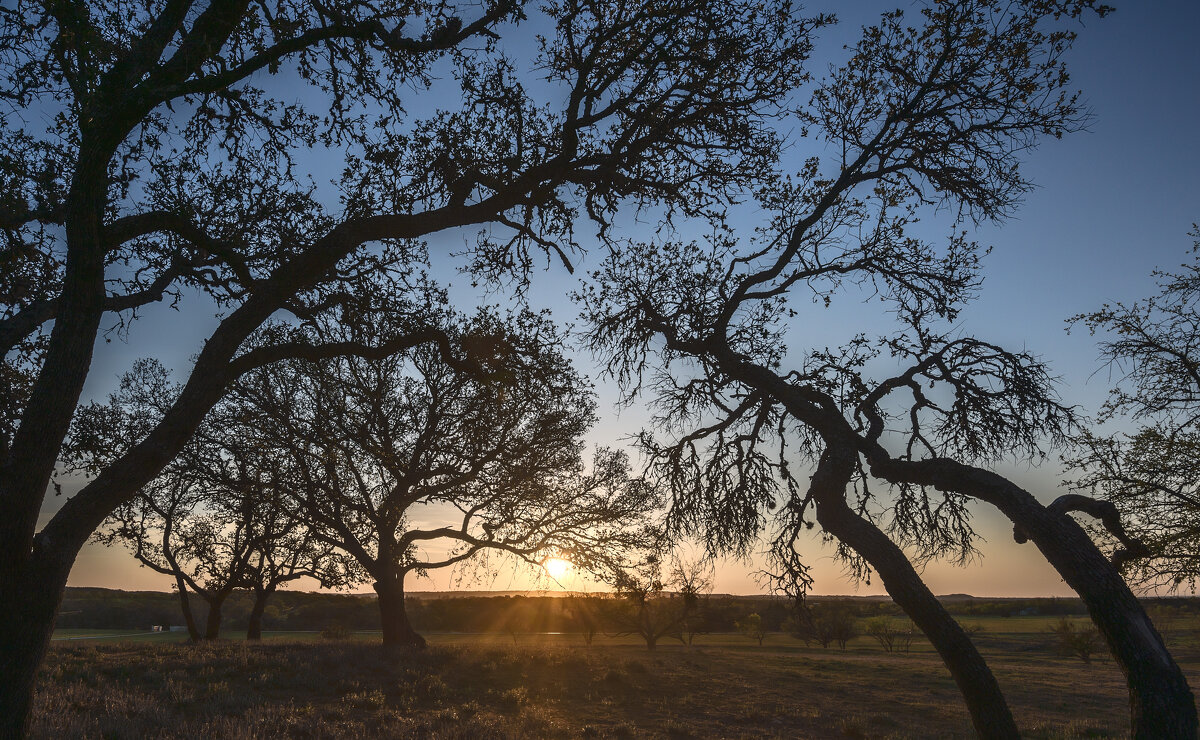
483 611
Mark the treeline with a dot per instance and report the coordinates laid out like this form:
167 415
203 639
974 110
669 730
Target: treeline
99 608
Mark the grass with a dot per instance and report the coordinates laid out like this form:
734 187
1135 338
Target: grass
482 686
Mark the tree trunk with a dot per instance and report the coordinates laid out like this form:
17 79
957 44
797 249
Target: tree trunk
212 627
1161 703
981 692
397 631
186 606
29 603
651 641
254 627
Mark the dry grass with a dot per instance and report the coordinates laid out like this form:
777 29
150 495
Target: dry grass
472 688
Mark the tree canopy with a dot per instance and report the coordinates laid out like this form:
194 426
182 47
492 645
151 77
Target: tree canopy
150 152
1150 474
927 118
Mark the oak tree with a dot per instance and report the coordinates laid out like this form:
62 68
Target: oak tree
409 464
930 115
1149 474
153 151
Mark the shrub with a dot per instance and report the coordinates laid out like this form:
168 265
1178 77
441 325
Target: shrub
1072 639
336 631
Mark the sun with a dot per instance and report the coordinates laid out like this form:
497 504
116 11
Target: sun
556 568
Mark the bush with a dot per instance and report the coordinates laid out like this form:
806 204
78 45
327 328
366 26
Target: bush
336 631
1072 639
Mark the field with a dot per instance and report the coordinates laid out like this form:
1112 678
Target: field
487 686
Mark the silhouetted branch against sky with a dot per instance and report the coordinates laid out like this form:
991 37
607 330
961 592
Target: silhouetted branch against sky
160 152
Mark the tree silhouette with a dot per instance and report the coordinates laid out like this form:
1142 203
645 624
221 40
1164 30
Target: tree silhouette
155 151
652 604
1150 476
899 428
408 464
213 520
751 626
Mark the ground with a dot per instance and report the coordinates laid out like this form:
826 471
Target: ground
485 686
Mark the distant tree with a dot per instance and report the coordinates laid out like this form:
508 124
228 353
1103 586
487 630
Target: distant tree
891 636
1151 476
155 151
213 520
751 626
585 614
899 430
693 578
652 604
373 448
824 623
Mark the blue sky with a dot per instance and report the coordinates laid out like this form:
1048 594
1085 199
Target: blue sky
1111 204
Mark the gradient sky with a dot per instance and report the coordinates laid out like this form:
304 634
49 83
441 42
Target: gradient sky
1111 204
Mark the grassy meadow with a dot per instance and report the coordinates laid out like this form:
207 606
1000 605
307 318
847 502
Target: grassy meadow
107 684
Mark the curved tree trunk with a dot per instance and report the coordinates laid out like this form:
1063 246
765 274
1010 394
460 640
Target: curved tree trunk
981 692
1161 703
397 630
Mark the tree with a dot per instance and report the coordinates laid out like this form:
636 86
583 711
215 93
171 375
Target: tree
652 604
752 626
156 151
374 447
584 614
824 623
899 429
213 519
693 579
891 637
1150 476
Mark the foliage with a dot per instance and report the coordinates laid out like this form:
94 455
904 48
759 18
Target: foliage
926 117
1150 475
936 111
652 604
214 519
369 448
752 626
156 153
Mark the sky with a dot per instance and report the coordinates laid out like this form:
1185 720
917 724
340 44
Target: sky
1110 205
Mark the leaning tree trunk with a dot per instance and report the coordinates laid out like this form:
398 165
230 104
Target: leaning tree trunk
397 630
980 690
1160 701
254 627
